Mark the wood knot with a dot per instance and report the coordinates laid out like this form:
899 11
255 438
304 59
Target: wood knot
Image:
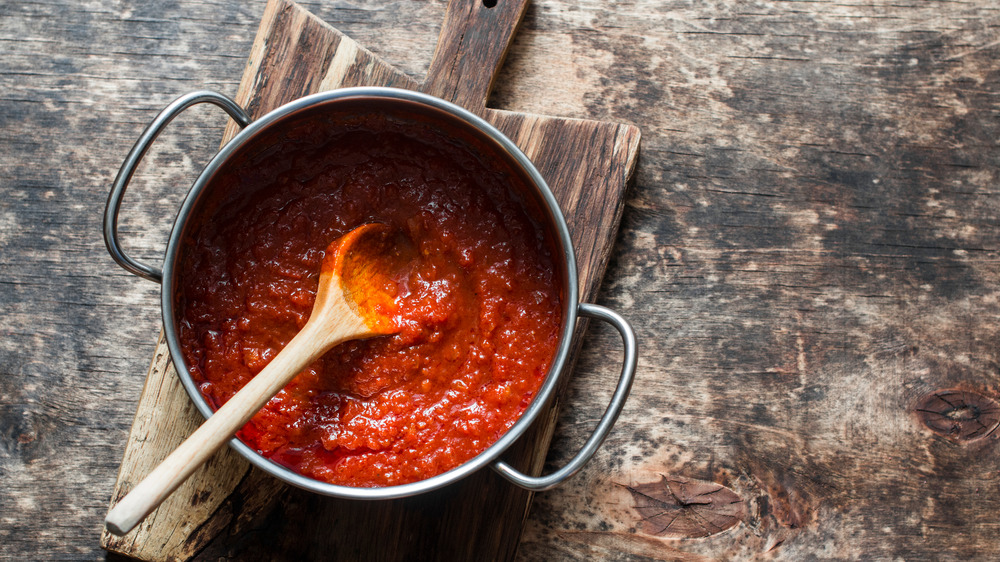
678 507
960 415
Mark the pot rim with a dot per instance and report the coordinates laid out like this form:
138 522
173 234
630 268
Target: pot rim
557 223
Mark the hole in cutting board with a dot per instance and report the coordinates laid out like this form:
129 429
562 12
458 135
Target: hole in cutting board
489 3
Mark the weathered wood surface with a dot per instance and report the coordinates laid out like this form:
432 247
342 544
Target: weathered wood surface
226 509
809 255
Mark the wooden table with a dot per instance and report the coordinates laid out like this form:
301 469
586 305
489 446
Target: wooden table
810 256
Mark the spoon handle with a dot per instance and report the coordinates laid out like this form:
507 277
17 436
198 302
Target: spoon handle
333 320
215 432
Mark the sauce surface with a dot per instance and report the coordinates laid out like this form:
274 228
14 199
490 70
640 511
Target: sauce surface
480 310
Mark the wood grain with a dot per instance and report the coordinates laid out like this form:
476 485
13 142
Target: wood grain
473 45
586 163
810 255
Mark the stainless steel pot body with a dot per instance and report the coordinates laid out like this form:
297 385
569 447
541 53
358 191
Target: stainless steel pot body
393 100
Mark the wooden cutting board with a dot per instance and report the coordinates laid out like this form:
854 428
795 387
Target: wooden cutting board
230 509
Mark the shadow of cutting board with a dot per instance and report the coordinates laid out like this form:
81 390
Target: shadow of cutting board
229 509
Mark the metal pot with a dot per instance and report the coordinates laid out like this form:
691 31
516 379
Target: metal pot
448 115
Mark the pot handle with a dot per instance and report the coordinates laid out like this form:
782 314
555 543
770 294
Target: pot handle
542 483
132 161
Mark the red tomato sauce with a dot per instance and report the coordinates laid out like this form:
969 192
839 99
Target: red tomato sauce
481 309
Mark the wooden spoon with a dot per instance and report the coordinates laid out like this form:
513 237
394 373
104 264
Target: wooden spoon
355 299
